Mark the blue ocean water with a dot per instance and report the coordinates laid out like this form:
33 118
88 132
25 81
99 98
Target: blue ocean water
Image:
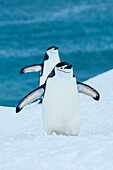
83 31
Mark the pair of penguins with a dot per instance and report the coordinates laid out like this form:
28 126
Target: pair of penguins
58 89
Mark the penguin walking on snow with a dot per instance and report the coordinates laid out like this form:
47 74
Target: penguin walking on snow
60 107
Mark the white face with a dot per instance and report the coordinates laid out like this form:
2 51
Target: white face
53 52
64 69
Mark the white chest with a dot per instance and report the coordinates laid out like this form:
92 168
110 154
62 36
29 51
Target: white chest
61 109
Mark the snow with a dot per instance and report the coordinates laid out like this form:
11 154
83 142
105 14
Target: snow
25 145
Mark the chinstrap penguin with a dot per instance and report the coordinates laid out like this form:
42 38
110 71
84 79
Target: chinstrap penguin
60 107
51 58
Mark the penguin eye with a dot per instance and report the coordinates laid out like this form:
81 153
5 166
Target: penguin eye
61 67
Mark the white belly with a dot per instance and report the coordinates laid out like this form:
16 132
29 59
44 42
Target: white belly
61 108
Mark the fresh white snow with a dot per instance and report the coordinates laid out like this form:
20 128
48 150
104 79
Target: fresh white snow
25 146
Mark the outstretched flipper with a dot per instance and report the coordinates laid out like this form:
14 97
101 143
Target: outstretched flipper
32 96
86 89
31 68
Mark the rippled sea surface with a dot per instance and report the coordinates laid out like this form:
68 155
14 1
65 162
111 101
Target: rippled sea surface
83 31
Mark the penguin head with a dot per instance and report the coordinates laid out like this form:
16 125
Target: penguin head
52 52
52 48
64 68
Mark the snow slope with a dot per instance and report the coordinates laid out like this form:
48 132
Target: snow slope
25 146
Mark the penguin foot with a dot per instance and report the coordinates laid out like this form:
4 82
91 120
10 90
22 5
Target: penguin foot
75 135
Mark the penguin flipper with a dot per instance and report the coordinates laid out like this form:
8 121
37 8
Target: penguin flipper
31 68
86 89
31 97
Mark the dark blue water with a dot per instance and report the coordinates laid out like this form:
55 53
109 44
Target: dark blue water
83 31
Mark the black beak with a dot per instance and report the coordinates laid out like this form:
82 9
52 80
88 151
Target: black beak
55 48
68 67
